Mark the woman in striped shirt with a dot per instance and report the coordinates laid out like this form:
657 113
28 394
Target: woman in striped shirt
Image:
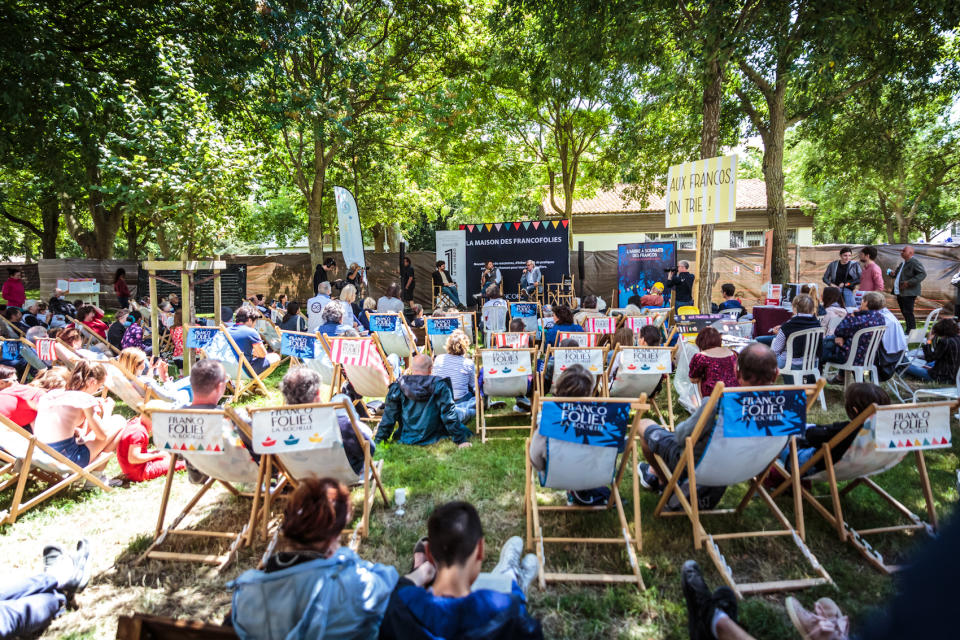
458 367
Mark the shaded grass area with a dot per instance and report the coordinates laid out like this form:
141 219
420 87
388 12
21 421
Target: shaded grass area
490 476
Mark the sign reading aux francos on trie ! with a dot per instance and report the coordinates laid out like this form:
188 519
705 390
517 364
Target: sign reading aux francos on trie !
702 192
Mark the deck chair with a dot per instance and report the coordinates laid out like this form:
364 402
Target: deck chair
593 360
126 387
494 321
744 451
812 345
304 441
468 324
600 324
91 338
11 350
29 352
585 457
438 330
269 332
394 334
584 338
528 312
206 438
877 448
144 627
919 334
307 350
506 374
639 373
361 361
25 457
441 299
10 330
872 336
513 340
243 377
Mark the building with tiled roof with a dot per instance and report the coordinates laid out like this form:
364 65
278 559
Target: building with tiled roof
621 215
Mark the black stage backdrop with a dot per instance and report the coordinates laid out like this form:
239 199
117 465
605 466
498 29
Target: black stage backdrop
510 245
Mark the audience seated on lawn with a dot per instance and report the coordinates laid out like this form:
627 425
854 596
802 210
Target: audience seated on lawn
833 310
91 317
316 305
117 328
449 608
390 301
14 316
756 367
137 461
587 308
133 336
457 366
332 320
548 367
941 354
728 291
418 319
71 337
369 306
713 363
33 334
869 315
292 320
302 385
563 321
647 336
419 408
74 421
249 341
494 297
621 337
19 402
156 376
313 587
803 319
34 313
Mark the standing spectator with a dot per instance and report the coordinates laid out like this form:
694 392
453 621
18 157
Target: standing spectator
843 274
871 278
316 304
868 316
681 281
92 318
322 273
355 276
713 363
941 354
409 279
13 290
121 288
906 284
390 301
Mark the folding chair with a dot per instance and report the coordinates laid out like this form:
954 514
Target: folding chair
304 441
441 299
307 350
585 438
947 393
872 336
494 321
528 312
506 374
640 371
207 440
438 330
536 296
593 359
468 324
600 324
919 335
91 337
126 387
513 340
10 330
812 341
361 361
243 377
28 351
269 332
566 292
394 334
24 456
11 349
879 445
583 338
744 450
688 311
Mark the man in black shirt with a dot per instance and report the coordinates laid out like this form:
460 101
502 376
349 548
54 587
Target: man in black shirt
407 280
844 274
681 281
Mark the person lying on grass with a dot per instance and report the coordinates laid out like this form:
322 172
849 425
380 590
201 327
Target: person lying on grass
313 587
137 461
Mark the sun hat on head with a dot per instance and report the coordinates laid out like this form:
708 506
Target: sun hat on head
658 286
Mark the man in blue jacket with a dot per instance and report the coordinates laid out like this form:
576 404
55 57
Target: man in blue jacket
419 408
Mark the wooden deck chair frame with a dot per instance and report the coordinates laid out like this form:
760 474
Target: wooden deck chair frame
538 294
474 333
339 375
428 342
407 331
601 388
691 510
633 542
144 389
90 336
244 537
531 337
544 346
482 412
668 384
297 362
833 512
244 368
144 627
269 322
9 325
29 468
372 472
440 298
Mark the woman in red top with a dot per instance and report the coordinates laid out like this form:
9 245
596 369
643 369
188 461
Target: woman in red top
121 289
13 290
18 402
137 462
714 363
92 318
871 277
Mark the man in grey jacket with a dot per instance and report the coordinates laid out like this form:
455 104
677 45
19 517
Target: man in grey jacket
906 284
845 275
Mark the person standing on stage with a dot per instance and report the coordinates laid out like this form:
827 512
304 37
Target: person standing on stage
530 280
906 284
845 275
681 281
442 279
408 280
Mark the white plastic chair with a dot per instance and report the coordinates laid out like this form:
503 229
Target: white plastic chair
945 393
918 335
494 321
812 342
873 336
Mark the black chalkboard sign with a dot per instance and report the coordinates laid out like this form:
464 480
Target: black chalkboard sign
233 284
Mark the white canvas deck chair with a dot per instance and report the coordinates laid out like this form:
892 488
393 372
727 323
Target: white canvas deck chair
243 377
873 336
126 387
638 374
513 340
362 362
438 330
528 312
506 374
468 323
23 456
585 439
394 334
269 332
946 393
743 450
307 350
494 321
10 330
884 437
31 353
209 440
600 324
805 345
593 360
92 339
304 441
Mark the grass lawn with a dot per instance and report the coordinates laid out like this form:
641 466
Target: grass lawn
120 524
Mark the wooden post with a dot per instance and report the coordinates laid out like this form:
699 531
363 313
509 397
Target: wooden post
216 296
186 313
696 270
154 319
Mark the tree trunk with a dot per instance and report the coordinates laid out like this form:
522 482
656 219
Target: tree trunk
393 239
98 242
133 248
50 215
378 238
709 143
315 218
773 181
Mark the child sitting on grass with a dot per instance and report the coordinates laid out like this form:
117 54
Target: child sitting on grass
137 462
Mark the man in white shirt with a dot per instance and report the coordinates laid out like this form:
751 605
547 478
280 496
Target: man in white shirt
315 306
530 279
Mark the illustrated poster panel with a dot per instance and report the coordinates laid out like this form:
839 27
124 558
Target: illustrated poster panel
642 264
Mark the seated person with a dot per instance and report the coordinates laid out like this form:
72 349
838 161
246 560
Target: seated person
833 310
136 460
91 317
292 320
418 320
728 291
155 376
441 280
838 349
33 334
588 308
71 337
450 608
176 337
302 385
648 336
548 369
34 313
134 334
117 328
74 421
458 367
369 306
548 319
19 402
802 320
390 301
653 298
941 354
420 408
621 337
313 587
332 317
563 321
713 363
14 316
756 367
248 340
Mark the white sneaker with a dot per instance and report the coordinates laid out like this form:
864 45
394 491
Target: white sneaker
529 568
510 556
